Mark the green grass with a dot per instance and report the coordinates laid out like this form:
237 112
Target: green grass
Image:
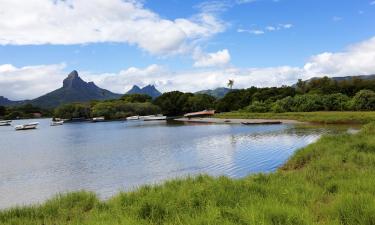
329 182
315 117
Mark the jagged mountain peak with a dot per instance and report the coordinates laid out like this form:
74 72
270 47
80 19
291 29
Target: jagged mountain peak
148 90
73 81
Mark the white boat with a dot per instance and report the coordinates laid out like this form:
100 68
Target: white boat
98 119
27 126
5 122
132 118
57 123
153 118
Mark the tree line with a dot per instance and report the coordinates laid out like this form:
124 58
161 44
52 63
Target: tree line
321 94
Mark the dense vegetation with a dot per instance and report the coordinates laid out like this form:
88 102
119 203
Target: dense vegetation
329 182
322 94
127 105
23 112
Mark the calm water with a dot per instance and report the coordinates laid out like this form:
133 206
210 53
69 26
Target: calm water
115 156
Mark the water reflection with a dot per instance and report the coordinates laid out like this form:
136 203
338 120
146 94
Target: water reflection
113 156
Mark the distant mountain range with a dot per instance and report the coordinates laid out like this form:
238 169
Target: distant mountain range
74 89
147 90
362 77
217 93
6 102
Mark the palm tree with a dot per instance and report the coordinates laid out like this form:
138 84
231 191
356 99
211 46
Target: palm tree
230 84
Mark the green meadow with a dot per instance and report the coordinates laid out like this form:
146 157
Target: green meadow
329 182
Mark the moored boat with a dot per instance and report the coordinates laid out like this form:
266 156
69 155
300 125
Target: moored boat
262 123
98 119
5 122
27 126
132 118
153 118
57 123
203 113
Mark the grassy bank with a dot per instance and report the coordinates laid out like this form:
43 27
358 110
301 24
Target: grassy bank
329 182
315 117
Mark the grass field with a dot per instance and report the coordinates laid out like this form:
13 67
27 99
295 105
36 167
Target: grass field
329 182
315 117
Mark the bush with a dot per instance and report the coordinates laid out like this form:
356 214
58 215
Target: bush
336 102
259 107
363 100
308 103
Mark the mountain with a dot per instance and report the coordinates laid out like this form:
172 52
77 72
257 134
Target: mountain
362 77
217 93
148 90
74 89
6 102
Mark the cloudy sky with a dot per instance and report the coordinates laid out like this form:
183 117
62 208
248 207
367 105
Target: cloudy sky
179 44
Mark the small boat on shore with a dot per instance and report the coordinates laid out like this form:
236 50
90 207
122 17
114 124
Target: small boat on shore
204 113
262 123
57 123
132 118
98 119
27 126
154 118
5 122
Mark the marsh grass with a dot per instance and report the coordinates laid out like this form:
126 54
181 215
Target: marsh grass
315 117
329 182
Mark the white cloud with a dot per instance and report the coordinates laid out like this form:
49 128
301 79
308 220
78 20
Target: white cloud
266 29
29 81
357 59
245 1
32 81
67 22
219 58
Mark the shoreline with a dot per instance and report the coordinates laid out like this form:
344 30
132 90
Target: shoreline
238 121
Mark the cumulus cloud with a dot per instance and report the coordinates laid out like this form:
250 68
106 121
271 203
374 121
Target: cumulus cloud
32 81
219 58
27 82
38 22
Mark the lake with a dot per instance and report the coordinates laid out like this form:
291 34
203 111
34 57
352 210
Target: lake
118 156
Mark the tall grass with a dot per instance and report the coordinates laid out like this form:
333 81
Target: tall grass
328 117
329 182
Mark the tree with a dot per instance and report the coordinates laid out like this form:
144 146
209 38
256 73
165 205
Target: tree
2 110
173 103
136 98
364 100
230 84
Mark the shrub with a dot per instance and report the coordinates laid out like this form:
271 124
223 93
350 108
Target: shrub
363 100
259 107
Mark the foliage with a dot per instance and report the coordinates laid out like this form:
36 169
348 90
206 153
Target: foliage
364 100
136 98
73 110
199 102
122 109
176 103
22 112
238 99
259 107
329 182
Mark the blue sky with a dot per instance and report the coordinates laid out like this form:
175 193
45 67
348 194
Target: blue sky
220 39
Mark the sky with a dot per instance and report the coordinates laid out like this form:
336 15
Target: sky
185 45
